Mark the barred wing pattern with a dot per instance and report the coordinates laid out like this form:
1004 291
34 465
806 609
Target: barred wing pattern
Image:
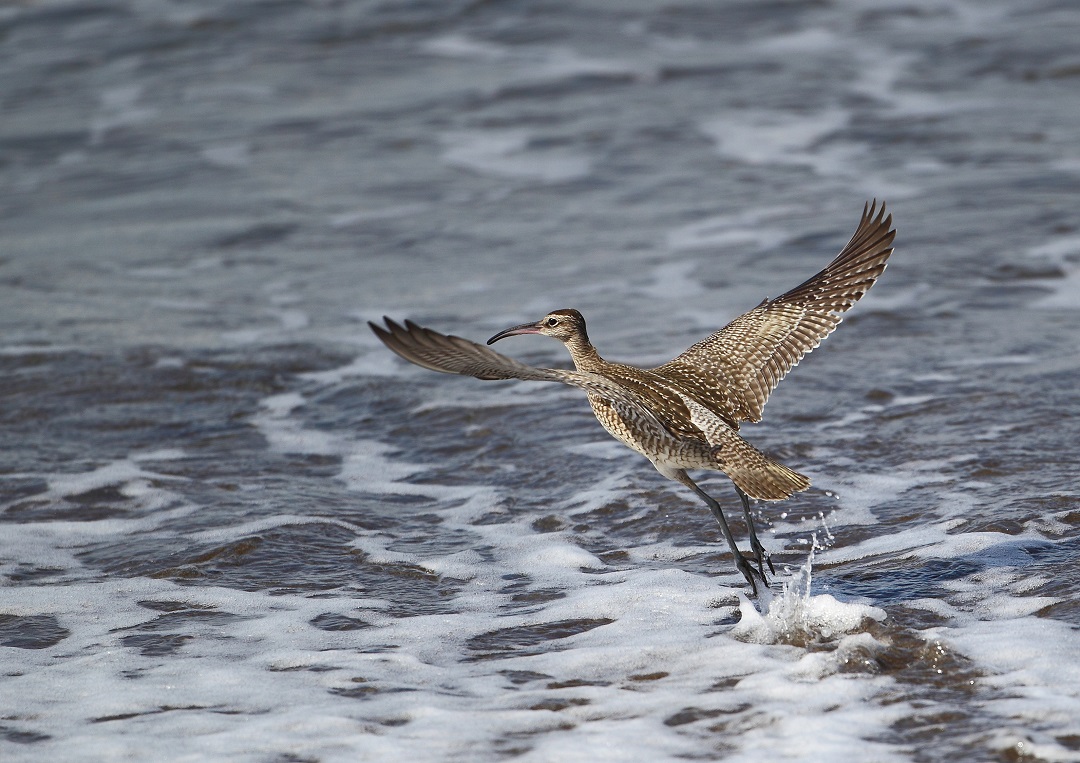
733 371
454 355
755 473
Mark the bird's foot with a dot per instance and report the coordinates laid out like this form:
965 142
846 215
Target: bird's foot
761 556
743 563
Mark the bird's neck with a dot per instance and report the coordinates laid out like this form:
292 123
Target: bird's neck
585 356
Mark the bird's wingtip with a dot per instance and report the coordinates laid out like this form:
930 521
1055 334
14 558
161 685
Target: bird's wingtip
378 330
874 210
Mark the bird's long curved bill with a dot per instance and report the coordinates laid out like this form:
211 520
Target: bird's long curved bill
524 328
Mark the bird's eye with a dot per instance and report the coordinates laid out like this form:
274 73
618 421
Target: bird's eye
552 322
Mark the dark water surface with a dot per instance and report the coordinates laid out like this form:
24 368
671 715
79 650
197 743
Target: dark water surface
232 526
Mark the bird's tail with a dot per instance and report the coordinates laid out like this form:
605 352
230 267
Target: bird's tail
756 474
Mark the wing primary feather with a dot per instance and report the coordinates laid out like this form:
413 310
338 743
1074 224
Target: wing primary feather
456 355
735 370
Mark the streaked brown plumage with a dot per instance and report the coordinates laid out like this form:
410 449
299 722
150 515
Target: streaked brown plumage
686 413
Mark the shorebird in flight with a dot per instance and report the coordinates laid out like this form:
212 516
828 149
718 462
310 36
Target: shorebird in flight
686 413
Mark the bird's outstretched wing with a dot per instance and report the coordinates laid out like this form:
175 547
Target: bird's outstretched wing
734 370
454 355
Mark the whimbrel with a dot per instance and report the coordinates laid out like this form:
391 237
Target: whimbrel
685 414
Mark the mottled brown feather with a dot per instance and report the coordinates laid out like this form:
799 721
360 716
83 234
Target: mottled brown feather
450 354
733 371
685 414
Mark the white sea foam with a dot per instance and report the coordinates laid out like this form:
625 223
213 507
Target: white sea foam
160 454
482 637
993 360
810 40
182 305
674 280
365 215
288 435
34 349
174 271
1058 250
228 155
1065 294
229 91
530 64
564 63
366 464
744 230
797 616
860 492
648 670
374 363
118 108
112 473
780 137
507 153
55 543
1030 666
462 46
287 320
233 533
1063 251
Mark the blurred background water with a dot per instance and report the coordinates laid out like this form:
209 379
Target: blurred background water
235 527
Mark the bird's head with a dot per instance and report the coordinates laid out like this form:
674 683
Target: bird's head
565 325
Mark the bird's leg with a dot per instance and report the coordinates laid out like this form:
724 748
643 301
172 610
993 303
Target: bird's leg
759 552
741 561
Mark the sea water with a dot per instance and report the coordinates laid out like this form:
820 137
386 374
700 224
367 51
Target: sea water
235 527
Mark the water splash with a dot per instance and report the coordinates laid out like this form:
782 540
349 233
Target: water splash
798 617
